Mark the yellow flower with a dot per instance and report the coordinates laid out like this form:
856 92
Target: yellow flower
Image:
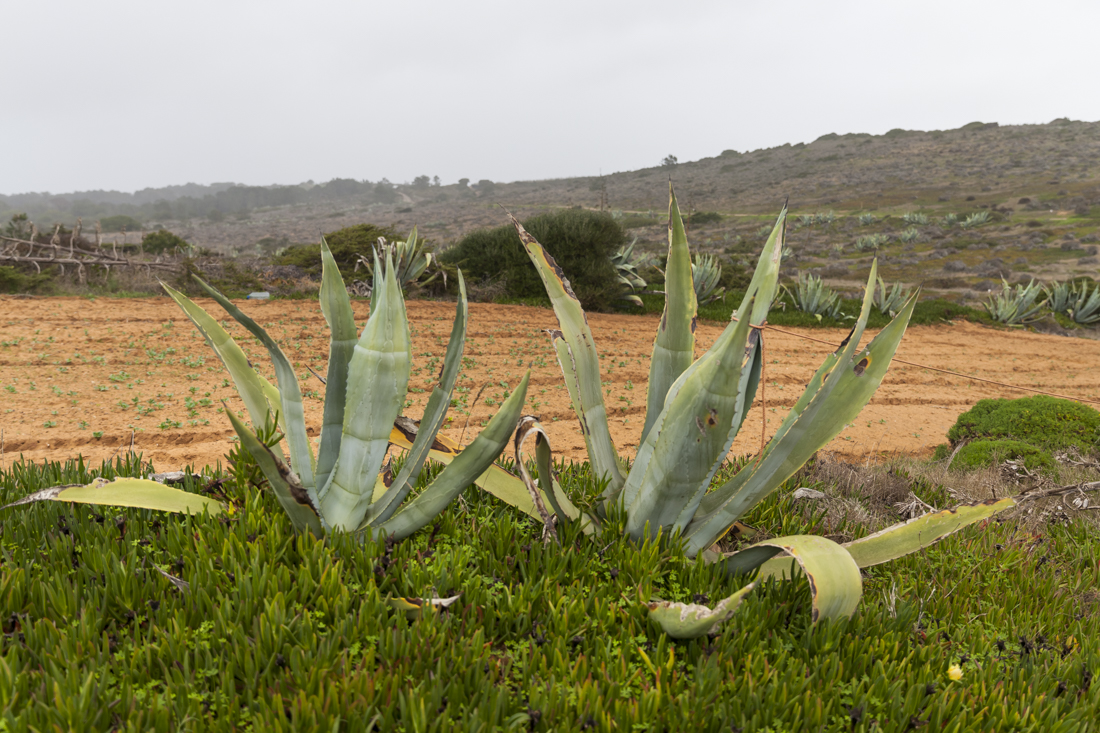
955 672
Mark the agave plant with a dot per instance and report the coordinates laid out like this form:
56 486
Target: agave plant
950 220
410 259
343 487
911 234
915 218
871 241
694 410
1015 306
889 302
706 272
1074 301
866 219
627 266
975 220
810 295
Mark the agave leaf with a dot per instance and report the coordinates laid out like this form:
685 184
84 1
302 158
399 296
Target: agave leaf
137 493
554 492
336 307
434 414
497 481
378 377
844 392
299 505
674 346
292 411
584 363
691 620
548 491
690 439
256 392
462 470
916 534
834 576
765 279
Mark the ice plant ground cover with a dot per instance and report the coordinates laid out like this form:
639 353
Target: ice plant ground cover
279 631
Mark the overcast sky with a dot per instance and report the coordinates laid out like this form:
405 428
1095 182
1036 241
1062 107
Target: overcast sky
124 95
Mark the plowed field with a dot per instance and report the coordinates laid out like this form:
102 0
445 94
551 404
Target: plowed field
83 376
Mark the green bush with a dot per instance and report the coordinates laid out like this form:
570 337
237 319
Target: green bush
582 242
346 245
702 218
991 452
1041 421
164 242
119 222
14 280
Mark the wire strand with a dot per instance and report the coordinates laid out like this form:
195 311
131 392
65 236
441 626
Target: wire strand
946 371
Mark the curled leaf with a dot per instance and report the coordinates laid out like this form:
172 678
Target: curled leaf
692 620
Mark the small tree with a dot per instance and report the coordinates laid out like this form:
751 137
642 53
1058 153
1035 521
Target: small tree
669 161
421 181
163 241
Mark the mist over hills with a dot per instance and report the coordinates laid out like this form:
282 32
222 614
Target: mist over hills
1057 163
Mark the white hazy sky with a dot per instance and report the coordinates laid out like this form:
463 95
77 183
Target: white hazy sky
121 94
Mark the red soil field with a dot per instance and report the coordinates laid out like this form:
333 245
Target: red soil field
81 376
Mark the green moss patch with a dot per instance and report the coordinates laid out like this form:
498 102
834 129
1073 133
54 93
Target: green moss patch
982 453
1041 421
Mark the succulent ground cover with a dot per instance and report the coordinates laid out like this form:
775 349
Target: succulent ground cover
134 619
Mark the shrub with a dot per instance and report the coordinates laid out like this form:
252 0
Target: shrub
119 222
702 218
164 242
14 280
983 453
582 243
1041 421
346 246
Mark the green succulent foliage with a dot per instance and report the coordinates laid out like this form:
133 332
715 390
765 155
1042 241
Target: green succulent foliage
1016 305
411 262
975 220
627 266
915 218
694 411
1073 299
706 274
871 241
889 302
281 632
811 295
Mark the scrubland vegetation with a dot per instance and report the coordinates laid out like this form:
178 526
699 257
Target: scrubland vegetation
330 586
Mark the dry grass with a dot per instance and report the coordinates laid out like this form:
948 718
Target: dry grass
876 494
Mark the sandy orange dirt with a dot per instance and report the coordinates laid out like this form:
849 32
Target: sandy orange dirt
80 376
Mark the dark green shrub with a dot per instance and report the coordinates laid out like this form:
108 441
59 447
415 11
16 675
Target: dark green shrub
581 242
991 452
14 280
702 218
164 242
1041 421
119 222
346 245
